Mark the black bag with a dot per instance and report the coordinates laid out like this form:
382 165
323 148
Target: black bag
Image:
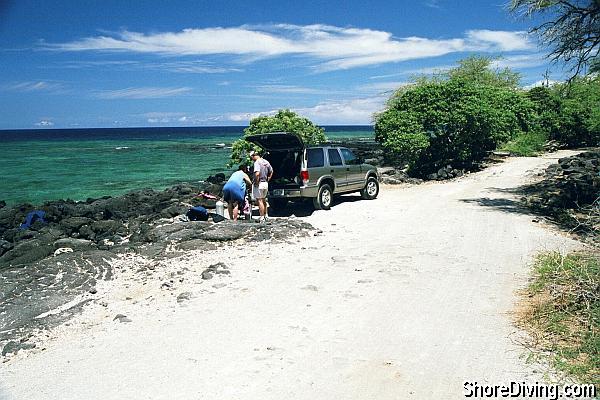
197 214
217 218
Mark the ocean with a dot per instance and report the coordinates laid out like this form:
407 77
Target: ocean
50 164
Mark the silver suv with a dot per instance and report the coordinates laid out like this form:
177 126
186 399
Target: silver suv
316 172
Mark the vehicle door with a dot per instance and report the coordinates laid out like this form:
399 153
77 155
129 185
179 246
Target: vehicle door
355 178
337 169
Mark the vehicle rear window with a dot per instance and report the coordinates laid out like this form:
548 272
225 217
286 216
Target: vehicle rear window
315 158
334 157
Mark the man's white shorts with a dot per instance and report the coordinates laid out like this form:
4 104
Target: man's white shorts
261 191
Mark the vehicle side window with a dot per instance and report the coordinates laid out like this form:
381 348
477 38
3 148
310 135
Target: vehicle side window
349 157
315 158
334 157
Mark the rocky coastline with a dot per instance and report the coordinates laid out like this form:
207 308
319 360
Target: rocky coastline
50 269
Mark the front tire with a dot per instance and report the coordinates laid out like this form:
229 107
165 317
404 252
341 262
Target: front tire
371 189
324 198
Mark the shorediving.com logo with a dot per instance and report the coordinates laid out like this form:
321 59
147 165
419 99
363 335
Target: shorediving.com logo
528 390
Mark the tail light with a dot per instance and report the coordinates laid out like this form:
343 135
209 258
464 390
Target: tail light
304 177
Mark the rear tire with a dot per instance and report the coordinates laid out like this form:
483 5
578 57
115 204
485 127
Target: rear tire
324 198
371 189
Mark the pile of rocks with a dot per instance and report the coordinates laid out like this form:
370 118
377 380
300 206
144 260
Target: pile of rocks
447 172
570 191
94 222
572 183
393 176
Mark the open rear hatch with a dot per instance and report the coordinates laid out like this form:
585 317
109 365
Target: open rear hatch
284 152
276 141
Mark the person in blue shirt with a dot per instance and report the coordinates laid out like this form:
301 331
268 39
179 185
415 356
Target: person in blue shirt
234 192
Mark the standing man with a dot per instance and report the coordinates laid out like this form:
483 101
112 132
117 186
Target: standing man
263 172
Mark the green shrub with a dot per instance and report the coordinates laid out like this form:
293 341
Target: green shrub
527 144
283 121
454 121
570 113
579 113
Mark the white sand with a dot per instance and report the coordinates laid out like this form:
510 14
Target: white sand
403 297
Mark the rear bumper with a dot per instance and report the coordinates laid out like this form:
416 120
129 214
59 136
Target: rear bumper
295 193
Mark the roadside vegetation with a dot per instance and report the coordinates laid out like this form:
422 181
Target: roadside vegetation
562 312
458 117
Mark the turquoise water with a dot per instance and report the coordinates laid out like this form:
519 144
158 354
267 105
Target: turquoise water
37 166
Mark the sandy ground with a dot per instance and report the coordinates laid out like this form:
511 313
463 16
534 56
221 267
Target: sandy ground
407 296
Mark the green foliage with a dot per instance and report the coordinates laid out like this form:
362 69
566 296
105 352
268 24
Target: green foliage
569 113
547 105
578 113
527 144
564 312
456 120
477 69
283 121
287 121
404 136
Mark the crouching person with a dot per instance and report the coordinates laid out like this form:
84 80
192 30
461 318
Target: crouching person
234 192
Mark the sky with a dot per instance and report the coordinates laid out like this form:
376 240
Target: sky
114 63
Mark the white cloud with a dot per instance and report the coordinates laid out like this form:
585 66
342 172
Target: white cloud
499 40
142 93
44 123
158 120
351 111
542 82
432 4
191 67
418 71
162 114
382 86
289 89
337 48
39 86
348 111
520 61
245 117
91 64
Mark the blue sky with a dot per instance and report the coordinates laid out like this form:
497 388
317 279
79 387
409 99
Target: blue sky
74 64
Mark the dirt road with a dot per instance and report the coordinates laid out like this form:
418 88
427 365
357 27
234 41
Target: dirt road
407 296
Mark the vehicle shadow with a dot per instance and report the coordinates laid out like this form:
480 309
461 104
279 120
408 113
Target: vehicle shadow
347 198
305 208
302 208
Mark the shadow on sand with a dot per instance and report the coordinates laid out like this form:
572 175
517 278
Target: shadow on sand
508 205
305 208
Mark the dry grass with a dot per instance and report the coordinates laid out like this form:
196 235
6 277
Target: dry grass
561 312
